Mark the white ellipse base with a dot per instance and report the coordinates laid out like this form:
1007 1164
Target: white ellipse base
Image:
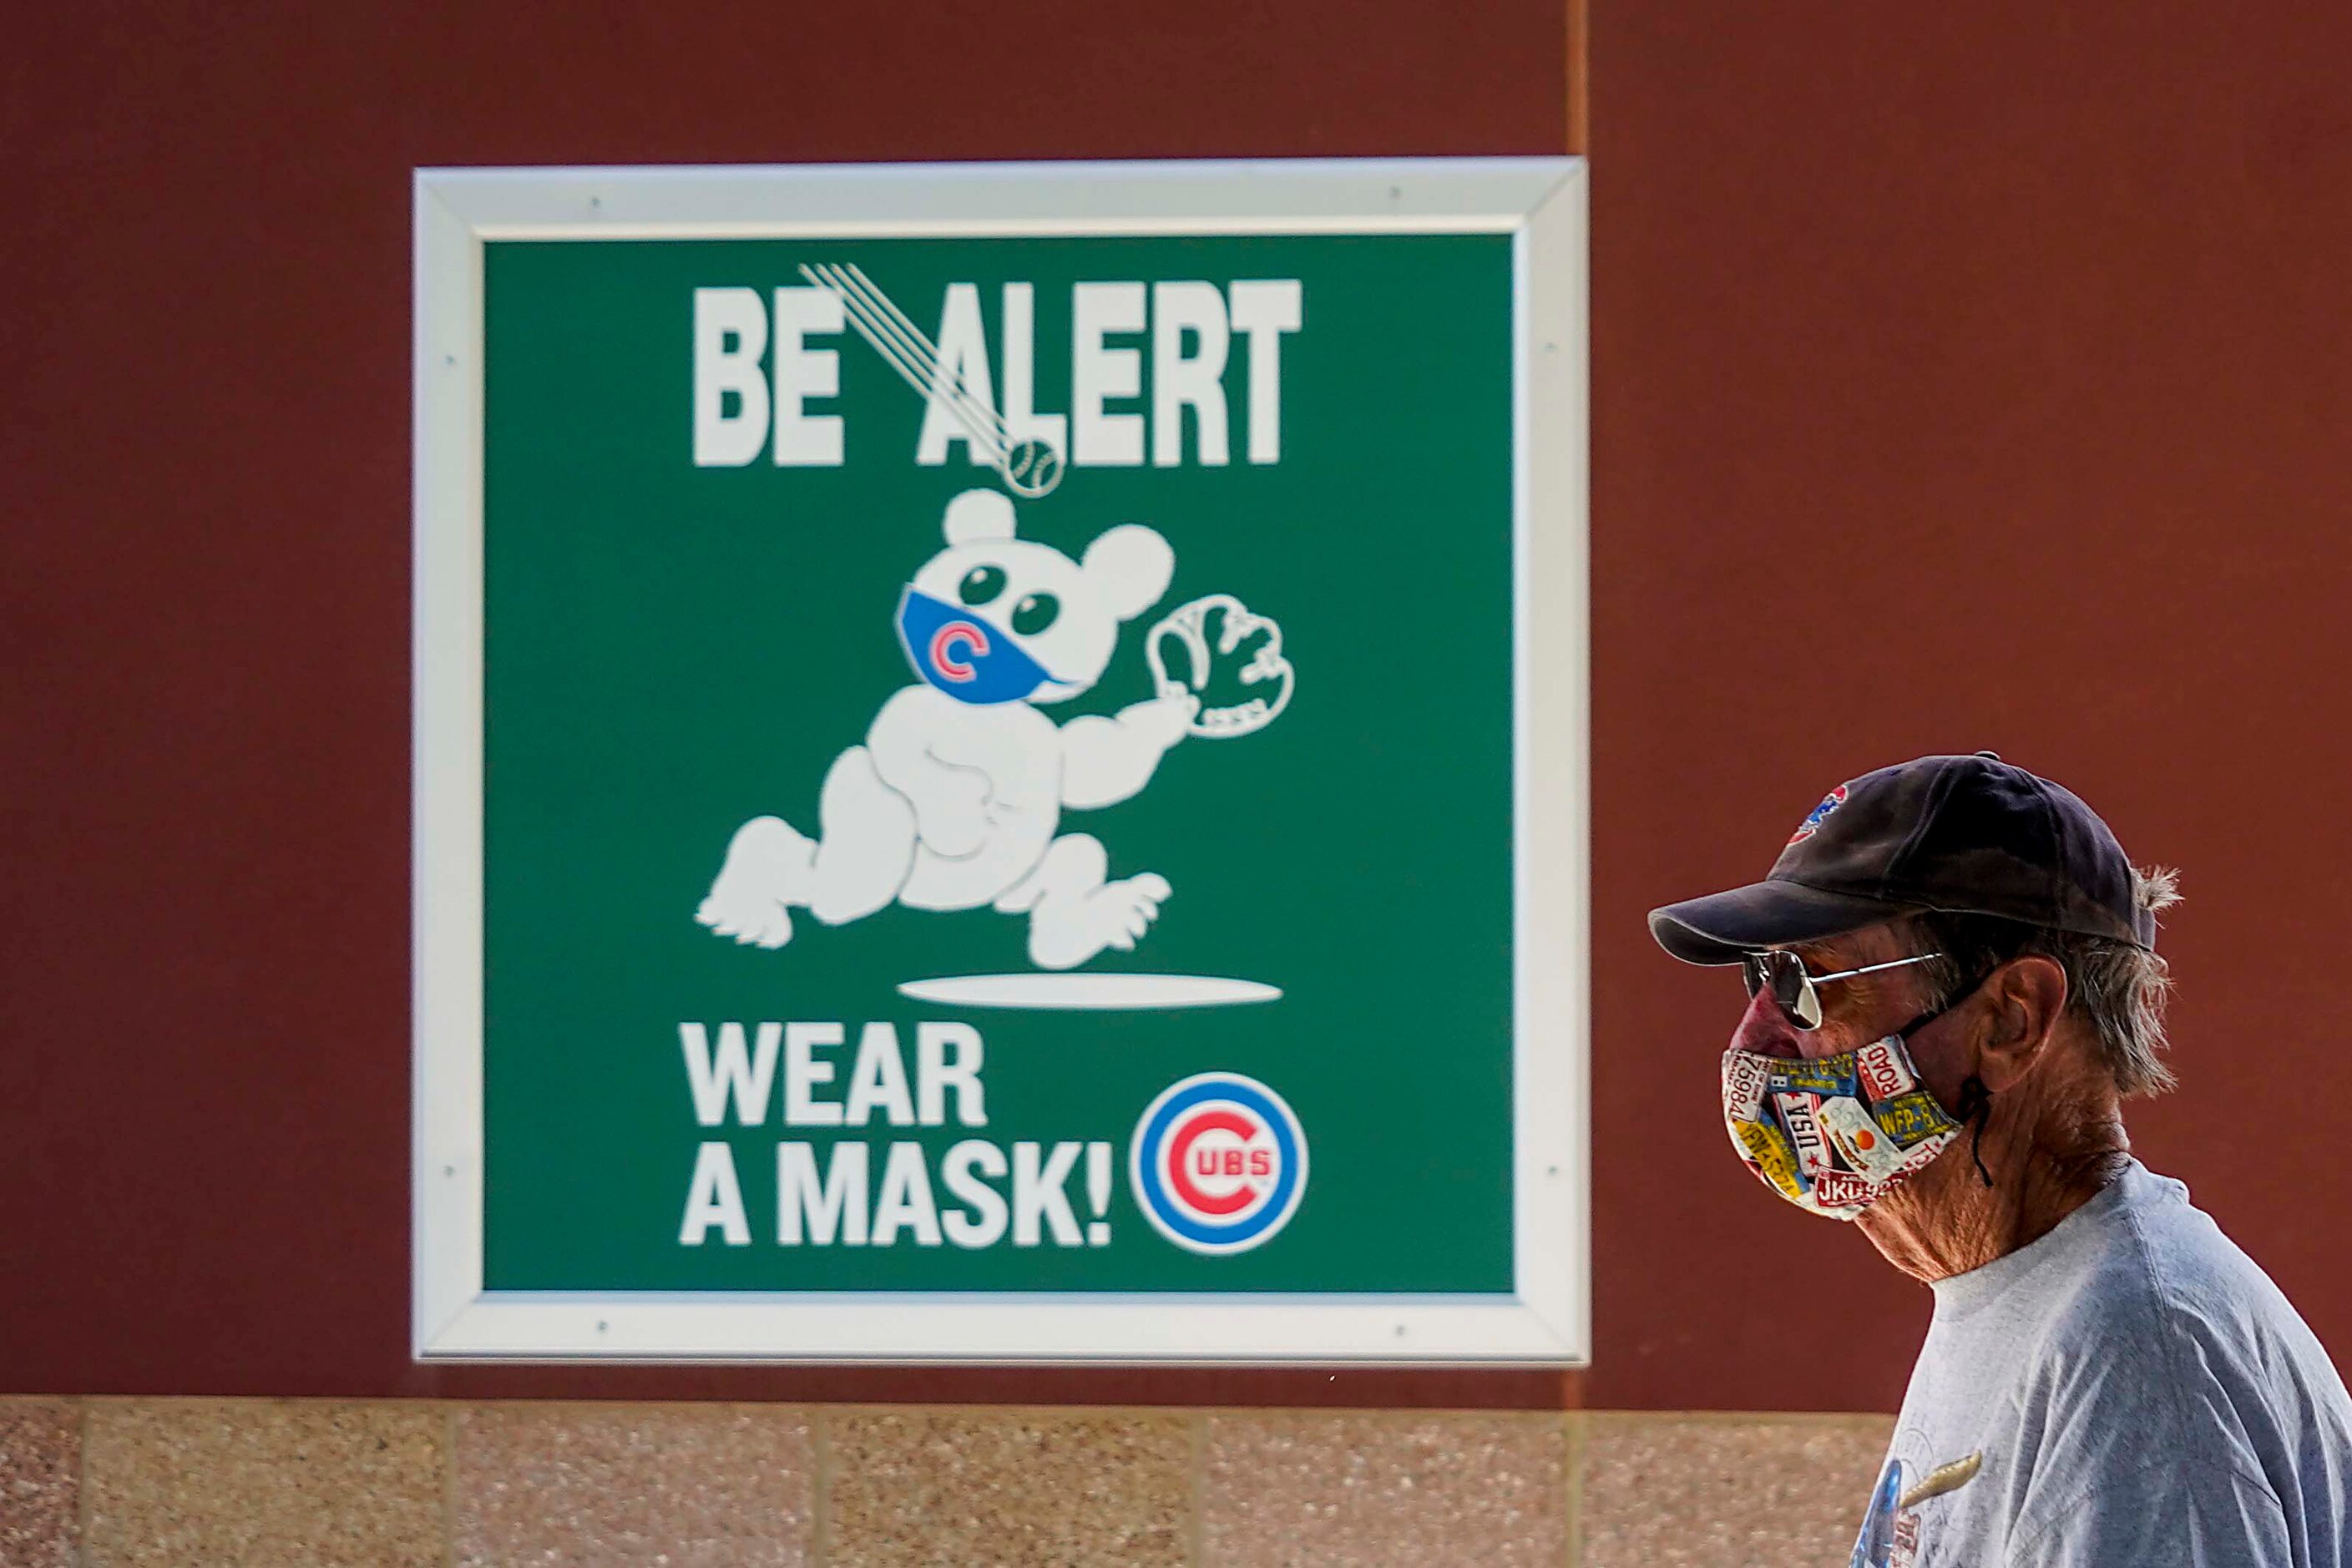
1099 993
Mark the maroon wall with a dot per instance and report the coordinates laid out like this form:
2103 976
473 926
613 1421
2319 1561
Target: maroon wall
1964 379
203 474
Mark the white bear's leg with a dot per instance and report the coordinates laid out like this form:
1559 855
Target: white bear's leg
1073 913
868 844
767 868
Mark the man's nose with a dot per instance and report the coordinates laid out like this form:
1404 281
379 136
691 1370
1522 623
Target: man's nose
1766 1030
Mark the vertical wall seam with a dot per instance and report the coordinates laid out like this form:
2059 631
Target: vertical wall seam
1573 1546
820 1487
450 1485
1196 1534
81 1484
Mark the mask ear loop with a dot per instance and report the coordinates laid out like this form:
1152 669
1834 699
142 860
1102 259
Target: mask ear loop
1975 1111
1976 1100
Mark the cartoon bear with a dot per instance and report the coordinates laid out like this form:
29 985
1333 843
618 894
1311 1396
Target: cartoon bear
955 800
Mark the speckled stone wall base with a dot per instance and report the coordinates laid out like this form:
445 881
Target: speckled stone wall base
685 1485
914 1488
175 1483
1323 1489
1726 1491
200 1483
40 1483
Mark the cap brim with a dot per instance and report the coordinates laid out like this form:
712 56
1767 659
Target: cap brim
1720 927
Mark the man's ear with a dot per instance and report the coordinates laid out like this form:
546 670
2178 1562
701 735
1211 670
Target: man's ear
2027 997
978 515
1129 568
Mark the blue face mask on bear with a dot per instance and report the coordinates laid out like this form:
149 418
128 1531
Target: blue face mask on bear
963 656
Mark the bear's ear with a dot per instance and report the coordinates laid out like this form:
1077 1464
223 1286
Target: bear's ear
1130 567
976 515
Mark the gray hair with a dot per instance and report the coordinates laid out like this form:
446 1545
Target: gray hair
2116 987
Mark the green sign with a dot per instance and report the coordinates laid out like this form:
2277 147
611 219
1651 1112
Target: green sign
1001 762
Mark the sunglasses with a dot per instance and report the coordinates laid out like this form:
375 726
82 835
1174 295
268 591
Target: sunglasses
1784 974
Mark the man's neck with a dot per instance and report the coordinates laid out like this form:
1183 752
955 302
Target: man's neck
1949 1222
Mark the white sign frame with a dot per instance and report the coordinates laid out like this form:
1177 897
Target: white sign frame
1541 203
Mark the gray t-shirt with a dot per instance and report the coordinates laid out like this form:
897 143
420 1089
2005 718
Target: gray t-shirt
2129 1392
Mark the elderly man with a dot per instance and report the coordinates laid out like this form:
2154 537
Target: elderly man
1953 984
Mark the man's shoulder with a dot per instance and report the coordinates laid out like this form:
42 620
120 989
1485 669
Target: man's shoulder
2166 1314
2170 1264
2171 1359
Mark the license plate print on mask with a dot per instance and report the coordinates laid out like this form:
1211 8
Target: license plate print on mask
1833 1134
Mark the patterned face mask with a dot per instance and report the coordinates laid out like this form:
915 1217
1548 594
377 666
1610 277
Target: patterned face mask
1833 1134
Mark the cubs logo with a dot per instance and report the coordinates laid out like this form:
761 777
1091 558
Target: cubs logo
1218 1162
1814 818
950 641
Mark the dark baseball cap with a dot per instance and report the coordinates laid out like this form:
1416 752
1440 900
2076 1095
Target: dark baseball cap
1968 835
